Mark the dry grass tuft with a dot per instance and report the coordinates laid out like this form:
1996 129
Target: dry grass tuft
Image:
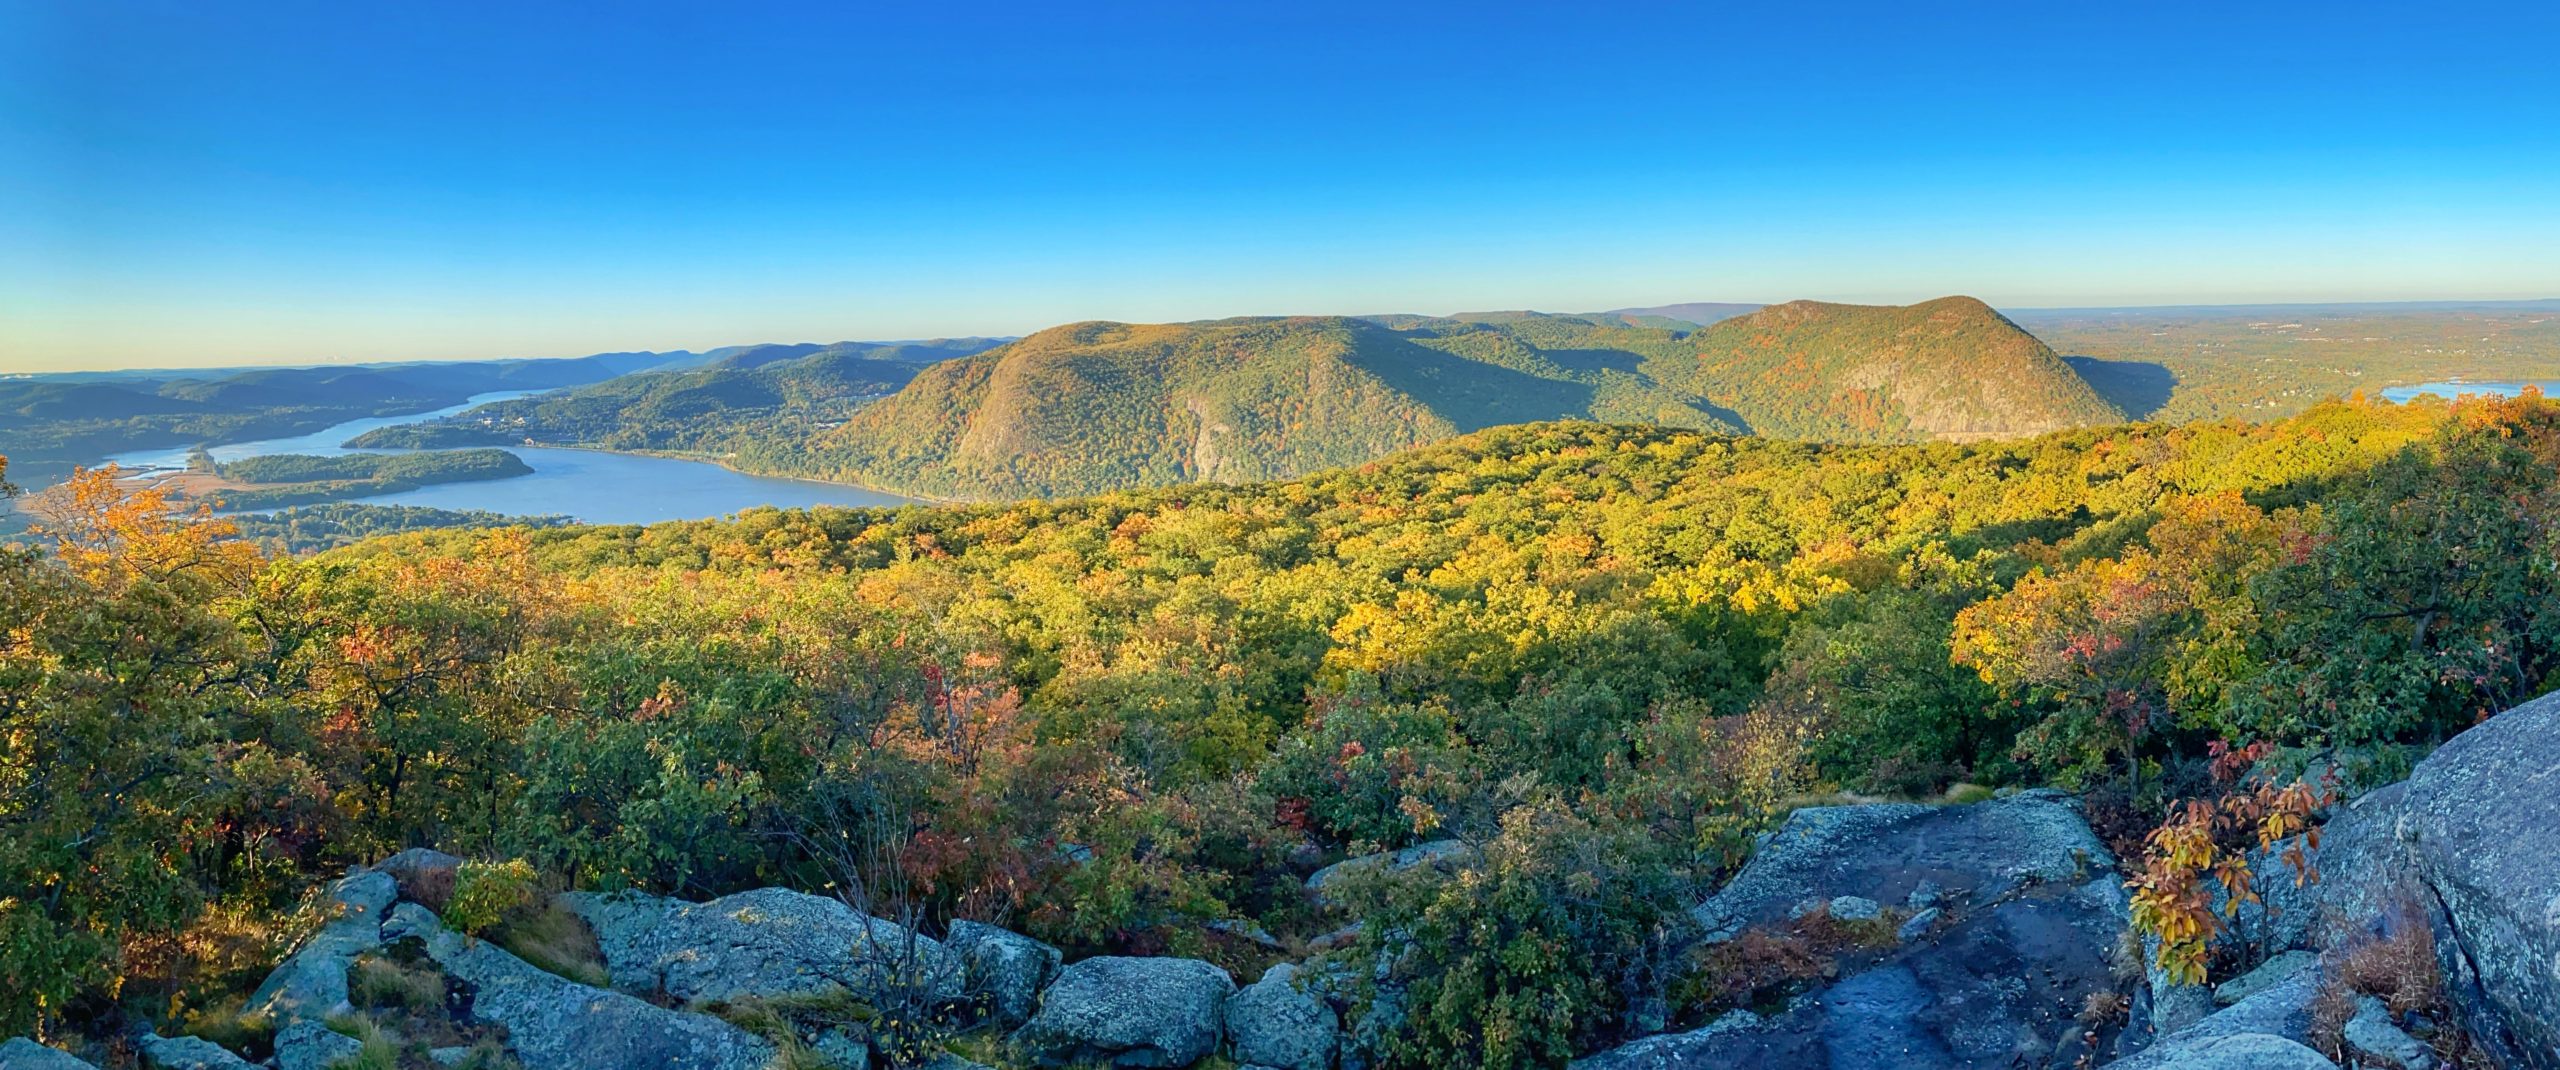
2400 968
374 981
555 939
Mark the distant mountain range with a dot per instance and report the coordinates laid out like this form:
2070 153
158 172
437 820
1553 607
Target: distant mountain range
1095 406
744 397
52 422
48 424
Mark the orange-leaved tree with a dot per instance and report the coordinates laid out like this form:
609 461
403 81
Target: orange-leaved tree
2205 847
114 717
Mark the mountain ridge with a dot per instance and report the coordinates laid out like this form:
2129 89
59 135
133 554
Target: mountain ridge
1101 405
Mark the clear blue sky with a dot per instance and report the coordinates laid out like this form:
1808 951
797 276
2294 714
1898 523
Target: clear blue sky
194 182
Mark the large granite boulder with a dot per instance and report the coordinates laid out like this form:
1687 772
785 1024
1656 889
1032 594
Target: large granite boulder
557 1024
2471 843
2031 913
1134 1012
2480 821
766 942
309 1045
2238 1051
1003 968
2280 1009
188 1053
312 983
19 1053
1275 1023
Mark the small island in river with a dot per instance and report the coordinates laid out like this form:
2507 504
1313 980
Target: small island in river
277 480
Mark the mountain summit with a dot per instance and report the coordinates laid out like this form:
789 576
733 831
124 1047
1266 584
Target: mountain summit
1951 369
1098 406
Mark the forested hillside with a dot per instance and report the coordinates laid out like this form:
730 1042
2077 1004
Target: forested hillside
1604 657
1099 406
1949 369
750 401
51 424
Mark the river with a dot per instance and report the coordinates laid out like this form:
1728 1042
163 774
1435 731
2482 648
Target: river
2453 389
591 486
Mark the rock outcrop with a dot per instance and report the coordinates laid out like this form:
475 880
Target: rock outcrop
309 1045
188 1053
1132 1012
2470 844
1957 938
1274 1023
313 982
2240 1051
766 942
2281 1010
2377 1041
19 1053
423 874
1946 856
1671 1051
2480 824
556 1024
2030 914
1005 970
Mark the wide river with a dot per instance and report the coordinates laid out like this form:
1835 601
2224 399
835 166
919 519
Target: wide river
588 485
2449 390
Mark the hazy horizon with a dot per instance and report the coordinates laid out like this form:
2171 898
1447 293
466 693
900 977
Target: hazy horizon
302 183
824 338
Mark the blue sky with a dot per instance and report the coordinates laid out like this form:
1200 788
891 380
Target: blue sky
185 183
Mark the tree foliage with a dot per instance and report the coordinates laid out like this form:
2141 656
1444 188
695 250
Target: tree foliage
1603 656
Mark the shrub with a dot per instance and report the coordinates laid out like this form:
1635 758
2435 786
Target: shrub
1355 769
1547 944
2204 846
484 893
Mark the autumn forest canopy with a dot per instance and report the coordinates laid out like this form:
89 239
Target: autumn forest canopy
1605 655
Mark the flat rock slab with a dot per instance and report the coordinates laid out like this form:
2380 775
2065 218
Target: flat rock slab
2029 916
19 1053
554 1023
765 942
1999 988
2239 1051
1954 855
